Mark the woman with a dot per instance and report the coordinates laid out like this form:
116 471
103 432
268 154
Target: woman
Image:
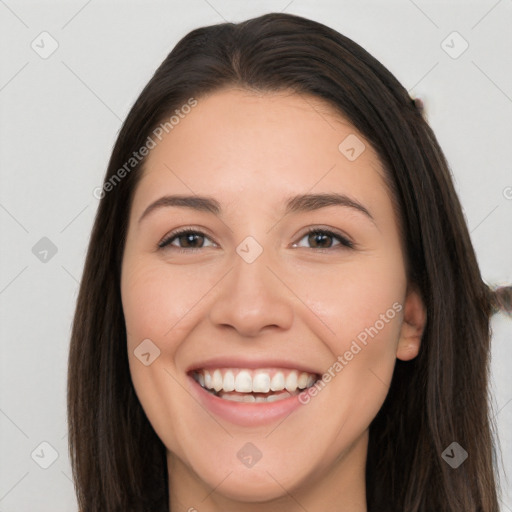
323 342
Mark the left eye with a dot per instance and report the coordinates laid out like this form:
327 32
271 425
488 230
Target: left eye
318 237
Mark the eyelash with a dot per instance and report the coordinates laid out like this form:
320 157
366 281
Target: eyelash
344 242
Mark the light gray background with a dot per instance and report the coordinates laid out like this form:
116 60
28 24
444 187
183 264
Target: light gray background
60 117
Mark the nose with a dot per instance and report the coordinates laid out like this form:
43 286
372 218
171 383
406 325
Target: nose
252 298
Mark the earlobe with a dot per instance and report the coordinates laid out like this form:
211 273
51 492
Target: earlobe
413 325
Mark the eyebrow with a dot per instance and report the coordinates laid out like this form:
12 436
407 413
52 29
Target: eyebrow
299 203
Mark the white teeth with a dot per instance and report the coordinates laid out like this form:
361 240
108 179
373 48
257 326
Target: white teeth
234 397
240 398
223 380
229 381
302 381
217 380
278 396
291 381
277 382
261 383
243 382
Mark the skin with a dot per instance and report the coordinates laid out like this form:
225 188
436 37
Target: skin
299 302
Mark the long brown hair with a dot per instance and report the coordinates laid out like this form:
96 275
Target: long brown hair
118 461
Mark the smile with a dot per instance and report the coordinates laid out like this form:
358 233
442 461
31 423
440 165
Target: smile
253 385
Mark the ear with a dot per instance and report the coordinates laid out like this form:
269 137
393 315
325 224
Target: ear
413 325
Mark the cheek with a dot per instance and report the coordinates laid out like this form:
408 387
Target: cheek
362 304
356 300
153 304
156 300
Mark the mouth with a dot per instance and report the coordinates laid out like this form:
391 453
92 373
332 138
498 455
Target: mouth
248 385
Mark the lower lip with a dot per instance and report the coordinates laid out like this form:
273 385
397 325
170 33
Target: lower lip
243 413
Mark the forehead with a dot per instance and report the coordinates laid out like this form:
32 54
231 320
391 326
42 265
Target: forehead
241 145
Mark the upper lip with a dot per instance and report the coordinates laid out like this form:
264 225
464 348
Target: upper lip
236 362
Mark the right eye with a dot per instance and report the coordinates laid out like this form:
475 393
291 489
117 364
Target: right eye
185 236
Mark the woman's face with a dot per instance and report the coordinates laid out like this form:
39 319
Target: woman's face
251 301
